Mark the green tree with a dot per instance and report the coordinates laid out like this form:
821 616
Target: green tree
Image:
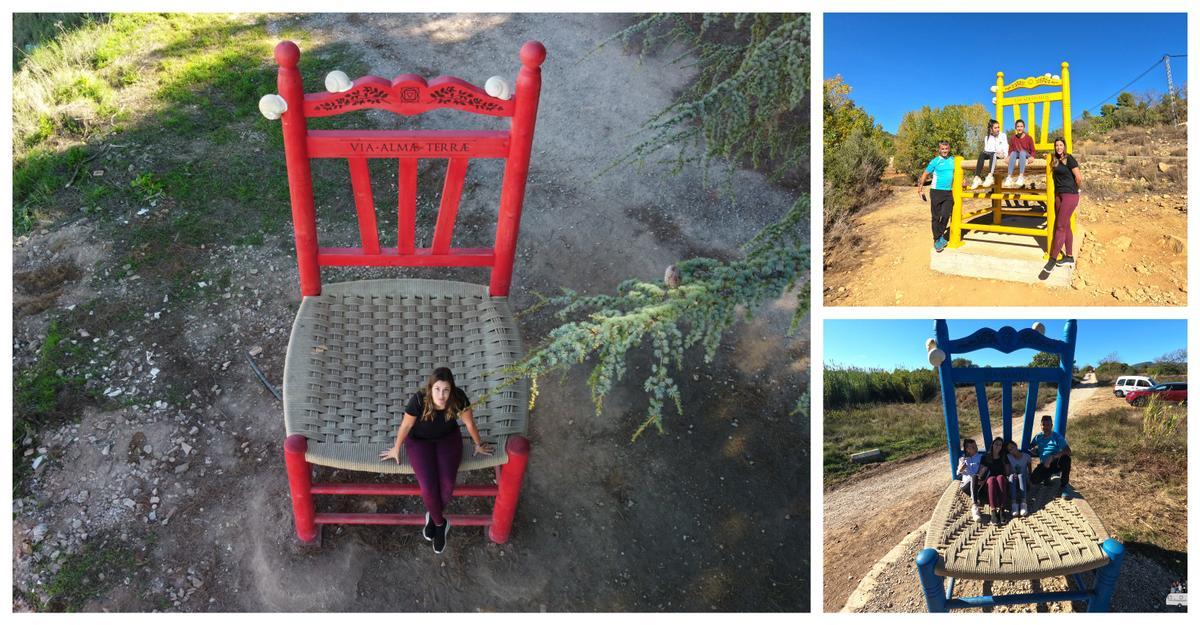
748 104
1044 359
921 130
854 147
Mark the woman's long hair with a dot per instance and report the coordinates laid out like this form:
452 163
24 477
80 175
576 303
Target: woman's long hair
1054 151
441 374
991 452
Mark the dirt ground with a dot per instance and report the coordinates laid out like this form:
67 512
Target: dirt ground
1133 254
182 471
902 497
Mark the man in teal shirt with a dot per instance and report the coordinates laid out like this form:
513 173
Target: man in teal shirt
1054 456
941 197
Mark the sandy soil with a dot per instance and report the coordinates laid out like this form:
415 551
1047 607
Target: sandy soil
866 517
1134 253
185 469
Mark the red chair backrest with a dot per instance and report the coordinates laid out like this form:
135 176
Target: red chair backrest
408 94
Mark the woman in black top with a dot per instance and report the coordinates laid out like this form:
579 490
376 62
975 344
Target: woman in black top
431 436
995 480
1067 181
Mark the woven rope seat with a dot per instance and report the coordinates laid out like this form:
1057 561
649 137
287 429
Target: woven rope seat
1059 537
360 349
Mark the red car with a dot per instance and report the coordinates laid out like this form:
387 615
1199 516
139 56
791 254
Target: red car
1167 391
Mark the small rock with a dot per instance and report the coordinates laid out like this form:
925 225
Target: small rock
182 468
128 503
1163 167
255 351
1122 243
39 532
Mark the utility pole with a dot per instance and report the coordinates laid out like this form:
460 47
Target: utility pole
1170 87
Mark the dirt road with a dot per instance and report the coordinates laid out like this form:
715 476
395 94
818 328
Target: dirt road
1134 253
868 516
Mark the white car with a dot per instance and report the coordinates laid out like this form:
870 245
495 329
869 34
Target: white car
1127 383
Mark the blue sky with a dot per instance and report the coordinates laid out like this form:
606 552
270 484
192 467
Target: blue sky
891 343
898 62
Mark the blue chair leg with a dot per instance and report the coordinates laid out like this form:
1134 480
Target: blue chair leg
931 583
1106 577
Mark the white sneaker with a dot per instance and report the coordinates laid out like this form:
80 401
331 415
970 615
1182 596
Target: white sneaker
987 182
1008 182
976 182
1024 510
1021 181
975 513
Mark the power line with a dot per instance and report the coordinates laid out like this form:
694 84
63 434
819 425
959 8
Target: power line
1159 61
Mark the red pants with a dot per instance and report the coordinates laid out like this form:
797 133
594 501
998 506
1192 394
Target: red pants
1064 206
435 463
997 492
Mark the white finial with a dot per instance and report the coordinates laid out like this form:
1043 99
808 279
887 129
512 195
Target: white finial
937 357
993 88
1037 325
497 87
337 81
930 344
1047 74
993 100
272 106
1056 77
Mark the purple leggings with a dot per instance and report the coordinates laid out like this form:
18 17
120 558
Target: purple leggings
1064 205
997 492
435 462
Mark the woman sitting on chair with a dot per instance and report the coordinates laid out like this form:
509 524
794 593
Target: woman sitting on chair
995 481
431 435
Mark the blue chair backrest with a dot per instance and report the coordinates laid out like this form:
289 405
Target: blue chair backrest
1006 340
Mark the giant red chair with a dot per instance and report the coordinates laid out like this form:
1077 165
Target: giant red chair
359 349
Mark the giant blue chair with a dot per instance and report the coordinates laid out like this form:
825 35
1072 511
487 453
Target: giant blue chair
1059 537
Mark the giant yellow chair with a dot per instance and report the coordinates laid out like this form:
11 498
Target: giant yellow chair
965 219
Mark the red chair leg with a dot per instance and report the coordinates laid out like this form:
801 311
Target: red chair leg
300 482
511 477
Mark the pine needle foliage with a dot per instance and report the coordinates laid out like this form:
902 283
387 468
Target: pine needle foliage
748 105
749 101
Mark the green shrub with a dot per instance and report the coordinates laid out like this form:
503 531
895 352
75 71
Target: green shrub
921 130
855 152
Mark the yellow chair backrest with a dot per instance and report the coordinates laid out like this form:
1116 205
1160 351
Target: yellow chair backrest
1039 131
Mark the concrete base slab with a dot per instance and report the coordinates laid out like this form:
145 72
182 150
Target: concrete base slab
1011 257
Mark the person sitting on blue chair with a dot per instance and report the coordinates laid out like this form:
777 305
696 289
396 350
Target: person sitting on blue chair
1054 456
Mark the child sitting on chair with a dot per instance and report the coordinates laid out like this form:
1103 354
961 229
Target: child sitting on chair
969 468
1020 148
995 145
1018 478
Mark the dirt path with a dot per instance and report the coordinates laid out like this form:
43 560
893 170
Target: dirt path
184 470
1129 257
866 517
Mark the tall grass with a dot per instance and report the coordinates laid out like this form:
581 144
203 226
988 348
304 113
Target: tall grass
855 386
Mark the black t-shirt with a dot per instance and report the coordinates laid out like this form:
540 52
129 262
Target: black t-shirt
1064 180
995 466
437 427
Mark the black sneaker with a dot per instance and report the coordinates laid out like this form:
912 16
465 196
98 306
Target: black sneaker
1050 264
439 536
1066 260
427 531
1065 493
